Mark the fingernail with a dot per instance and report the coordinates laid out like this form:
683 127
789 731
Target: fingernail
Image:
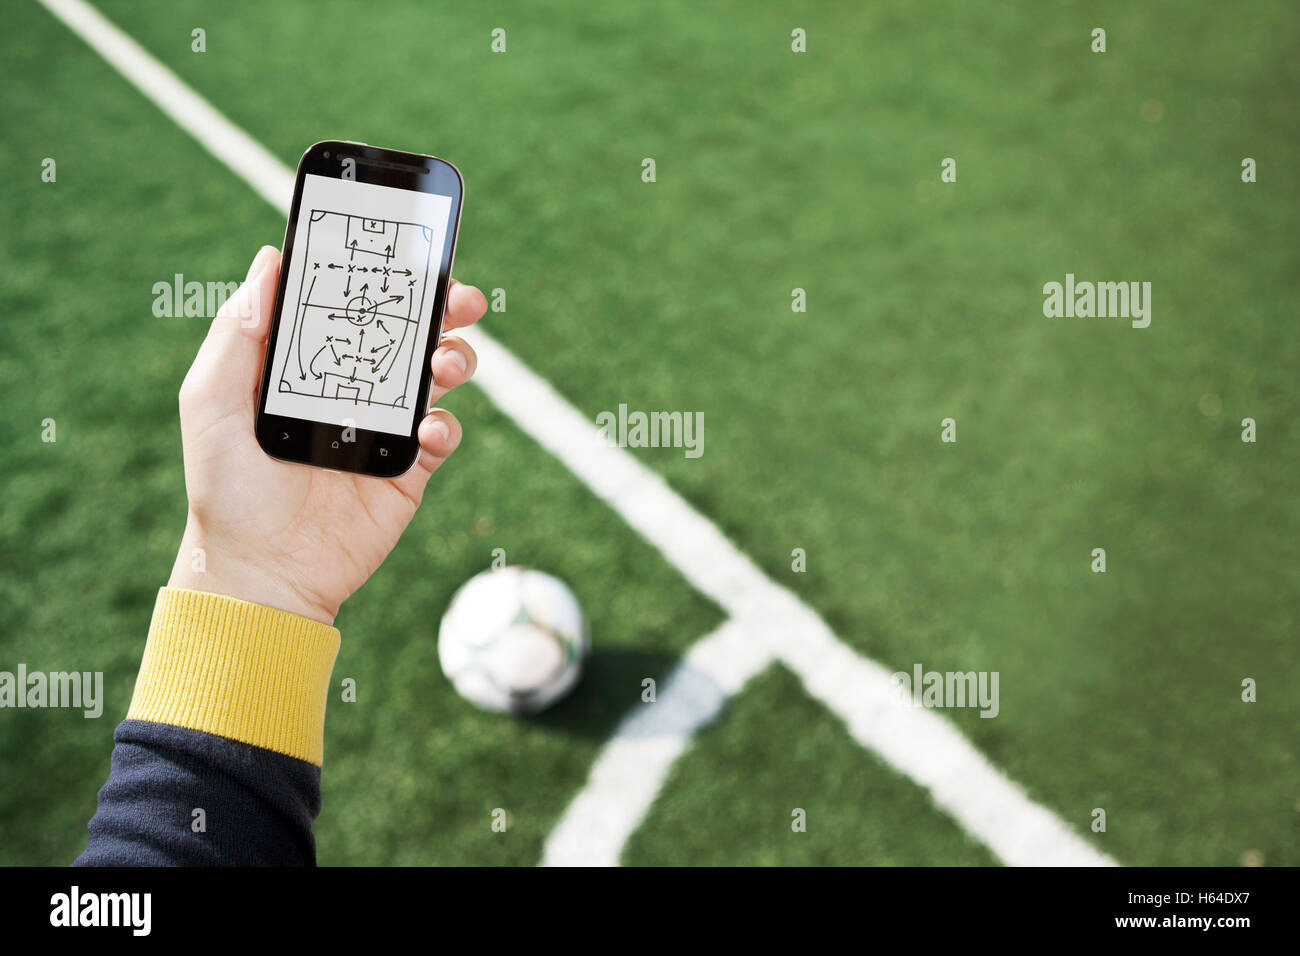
441 428
457 357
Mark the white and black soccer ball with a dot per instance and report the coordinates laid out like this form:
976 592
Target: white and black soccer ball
513 640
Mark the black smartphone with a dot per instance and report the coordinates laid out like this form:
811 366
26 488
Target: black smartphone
358 310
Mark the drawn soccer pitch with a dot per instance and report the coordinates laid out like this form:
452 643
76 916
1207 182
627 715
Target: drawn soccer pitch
360 299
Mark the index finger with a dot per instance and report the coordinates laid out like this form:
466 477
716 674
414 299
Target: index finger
465 305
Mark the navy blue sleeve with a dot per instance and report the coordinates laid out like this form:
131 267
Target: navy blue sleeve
257 806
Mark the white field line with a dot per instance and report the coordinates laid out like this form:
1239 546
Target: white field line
634 763
919 743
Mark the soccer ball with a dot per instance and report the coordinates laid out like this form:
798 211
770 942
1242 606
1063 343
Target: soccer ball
513 640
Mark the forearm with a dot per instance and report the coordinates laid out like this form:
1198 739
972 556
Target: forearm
218 761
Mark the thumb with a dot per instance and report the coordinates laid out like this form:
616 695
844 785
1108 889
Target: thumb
249 309
226 372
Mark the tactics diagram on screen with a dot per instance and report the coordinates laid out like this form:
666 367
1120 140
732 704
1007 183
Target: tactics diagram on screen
359 304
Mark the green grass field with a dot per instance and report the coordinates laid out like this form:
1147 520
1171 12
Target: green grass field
775 170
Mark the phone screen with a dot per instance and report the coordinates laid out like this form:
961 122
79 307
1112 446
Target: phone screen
357 311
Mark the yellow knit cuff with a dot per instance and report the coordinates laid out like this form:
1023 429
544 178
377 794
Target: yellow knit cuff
238 670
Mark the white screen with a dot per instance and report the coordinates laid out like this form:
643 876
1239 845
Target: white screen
358 305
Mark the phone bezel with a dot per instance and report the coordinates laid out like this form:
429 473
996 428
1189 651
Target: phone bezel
305 442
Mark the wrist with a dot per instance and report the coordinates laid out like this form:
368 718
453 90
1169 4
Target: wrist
203 563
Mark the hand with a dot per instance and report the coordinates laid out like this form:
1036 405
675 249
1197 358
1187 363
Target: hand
291 536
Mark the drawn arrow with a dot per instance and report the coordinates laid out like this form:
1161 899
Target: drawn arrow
312 364
395 353
333 266
302 376
380 323
384 287
402 272
354 250
347 287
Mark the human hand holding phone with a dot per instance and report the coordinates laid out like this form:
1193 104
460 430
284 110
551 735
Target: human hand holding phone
298 538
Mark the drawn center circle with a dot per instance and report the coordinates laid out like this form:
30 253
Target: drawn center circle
361 310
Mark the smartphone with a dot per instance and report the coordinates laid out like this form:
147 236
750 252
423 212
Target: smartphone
358 310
